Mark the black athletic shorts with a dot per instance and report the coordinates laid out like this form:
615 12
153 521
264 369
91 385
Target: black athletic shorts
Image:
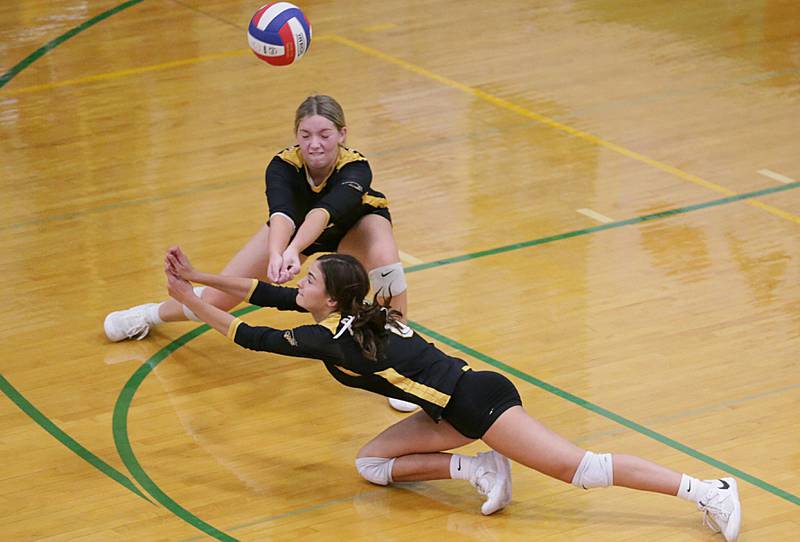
479 399
329 239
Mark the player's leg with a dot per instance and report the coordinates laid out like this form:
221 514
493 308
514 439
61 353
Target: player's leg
372 242
415 443
519 437
413 450
134 323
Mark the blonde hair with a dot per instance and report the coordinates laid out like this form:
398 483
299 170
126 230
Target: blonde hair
321 105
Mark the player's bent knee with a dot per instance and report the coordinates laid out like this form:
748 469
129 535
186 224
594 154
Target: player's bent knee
388 280
377 470
187 312
594 470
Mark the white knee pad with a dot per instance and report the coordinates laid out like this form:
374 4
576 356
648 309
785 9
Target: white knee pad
198 291
388 279
377 470
594 470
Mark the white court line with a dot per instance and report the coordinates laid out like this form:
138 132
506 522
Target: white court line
408 258
776 176
124 358
595 215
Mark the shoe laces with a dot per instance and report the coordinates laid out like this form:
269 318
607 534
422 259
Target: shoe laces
714 510
135 325
485 473
138 332
484 481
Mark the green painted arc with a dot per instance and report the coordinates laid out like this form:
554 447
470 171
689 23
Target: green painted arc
123 404
122 440
126 396
7 388
52 44
45 423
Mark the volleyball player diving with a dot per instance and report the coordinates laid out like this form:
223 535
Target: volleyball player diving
320 199
369 346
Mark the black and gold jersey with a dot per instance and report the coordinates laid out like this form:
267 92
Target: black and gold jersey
346 195
412 369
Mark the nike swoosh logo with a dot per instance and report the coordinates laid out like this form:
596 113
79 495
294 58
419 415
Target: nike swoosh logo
690 487
459 464
386 274
725 485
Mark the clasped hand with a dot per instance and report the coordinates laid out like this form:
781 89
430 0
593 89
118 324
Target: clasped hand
283 267
179 271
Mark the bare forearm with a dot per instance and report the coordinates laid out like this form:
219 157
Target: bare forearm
236 286
311 228
280 231
211 315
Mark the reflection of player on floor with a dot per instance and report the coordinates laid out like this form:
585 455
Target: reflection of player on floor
368 346
320 200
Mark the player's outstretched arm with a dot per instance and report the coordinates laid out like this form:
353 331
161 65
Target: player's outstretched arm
178 264
181 291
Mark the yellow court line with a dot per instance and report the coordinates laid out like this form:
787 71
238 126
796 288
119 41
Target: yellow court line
125 73
586 136
499 102
380 27
133 71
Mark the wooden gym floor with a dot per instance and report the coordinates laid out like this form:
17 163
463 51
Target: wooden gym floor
598 198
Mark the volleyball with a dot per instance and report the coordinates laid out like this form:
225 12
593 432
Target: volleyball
279 33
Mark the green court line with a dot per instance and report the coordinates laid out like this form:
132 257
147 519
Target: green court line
123 444
691 412
602 227
120 420
123 403
6 387
45 423
608 414
52 44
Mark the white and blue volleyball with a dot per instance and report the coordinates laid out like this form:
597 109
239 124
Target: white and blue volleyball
279 33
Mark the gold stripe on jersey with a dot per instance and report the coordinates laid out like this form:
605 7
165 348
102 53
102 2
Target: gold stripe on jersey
374 201
466 368
293 156
233 327
414 388
346 156
347 371
317 188
252 289
331 322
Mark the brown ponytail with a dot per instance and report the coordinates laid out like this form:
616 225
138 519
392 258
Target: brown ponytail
347 283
